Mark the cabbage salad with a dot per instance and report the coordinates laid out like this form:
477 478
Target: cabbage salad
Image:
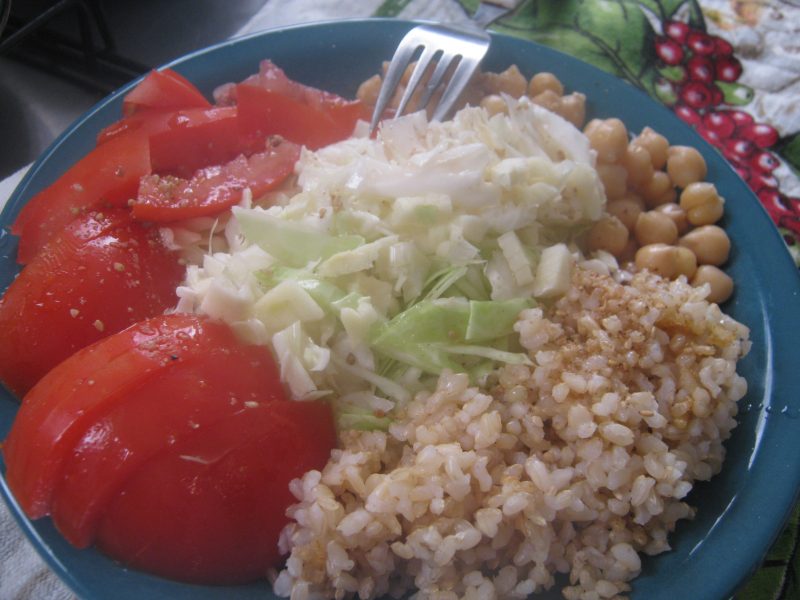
401 256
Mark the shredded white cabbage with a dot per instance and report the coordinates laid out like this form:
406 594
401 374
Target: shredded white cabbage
483 208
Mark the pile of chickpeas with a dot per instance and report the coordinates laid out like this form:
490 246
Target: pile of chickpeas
661 215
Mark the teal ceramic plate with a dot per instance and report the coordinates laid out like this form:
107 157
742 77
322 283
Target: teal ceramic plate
740 511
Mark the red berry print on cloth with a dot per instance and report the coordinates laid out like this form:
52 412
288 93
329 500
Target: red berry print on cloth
698 78
669 51
728 68
720 123
677 30
760 134
701 69
700 43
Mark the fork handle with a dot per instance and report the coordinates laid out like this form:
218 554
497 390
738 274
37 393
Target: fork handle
489 11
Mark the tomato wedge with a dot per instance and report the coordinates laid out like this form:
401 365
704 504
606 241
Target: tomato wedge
107 176
182 141
101 274
194 395
57 412
164 89
221 496
263 112
146 122
271 103
214 189
171 445
195 138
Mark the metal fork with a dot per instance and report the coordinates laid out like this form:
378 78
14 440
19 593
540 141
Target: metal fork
449 48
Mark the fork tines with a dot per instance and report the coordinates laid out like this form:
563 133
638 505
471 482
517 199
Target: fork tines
448 51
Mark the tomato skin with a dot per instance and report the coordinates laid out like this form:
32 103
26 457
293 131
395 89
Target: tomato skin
59 409
193 139
218 515
264 112
99 275
214 189
271 103
182 141
107 176
163 89
145 122
193 395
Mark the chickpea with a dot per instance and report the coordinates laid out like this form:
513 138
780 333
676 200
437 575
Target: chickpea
607 234
406 74
658 258
592 126
614 178
655 144
472 96
639 165
548 99
653 227
677 214
573 108
659 190
626 209
719 283
685 262
544 81
609 138
368 90
510 82
710 244
702 203
494 104
685 165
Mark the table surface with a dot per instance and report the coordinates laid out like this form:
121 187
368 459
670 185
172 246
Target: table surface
762 35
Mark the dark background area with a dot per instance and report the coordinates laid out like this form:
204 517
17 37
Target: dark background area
49 77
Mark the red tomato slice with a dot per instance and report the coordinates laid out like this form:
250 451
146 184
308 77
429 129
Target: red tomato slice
271 103
214 189
211 507
146 122
265 112
99 275
58 411
163 89
106 176
195 138
193 395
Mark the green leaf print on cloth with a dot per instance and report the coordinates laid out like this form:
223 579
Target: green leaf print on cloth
613 36
779 575
391 8
789 148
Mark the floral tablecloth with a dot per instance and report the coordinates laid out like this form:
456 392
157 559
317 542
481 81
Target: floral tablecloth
730 68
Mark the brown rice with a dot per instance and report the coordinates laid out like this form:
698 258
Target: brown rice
576 465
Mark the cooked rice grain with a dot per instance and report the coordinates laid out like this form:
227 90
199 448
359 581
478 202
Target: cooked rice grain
575 465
